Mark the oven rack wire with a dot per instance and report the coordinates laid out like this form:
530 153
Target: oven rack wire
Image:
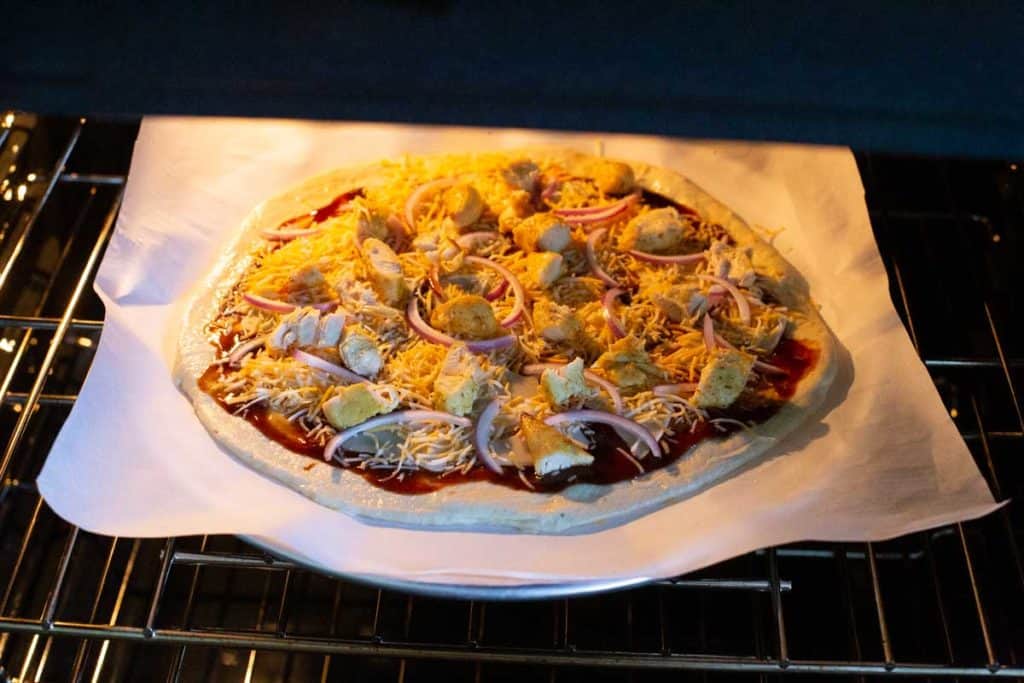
76 605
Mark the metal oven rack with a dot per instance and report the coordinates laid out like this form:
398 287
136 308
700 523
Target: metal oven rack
948 603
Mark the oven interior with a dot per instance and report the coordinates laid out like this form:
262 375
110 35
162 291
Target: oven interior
946 603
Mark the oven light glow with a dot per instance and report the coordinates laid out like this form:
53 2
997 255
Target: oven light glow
9 195
6 345
996 238
32 177
22 189
9 120
953 412
84 342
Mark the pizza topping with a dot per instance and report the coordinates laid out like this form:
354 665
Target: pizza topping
571 298
550 450
723 379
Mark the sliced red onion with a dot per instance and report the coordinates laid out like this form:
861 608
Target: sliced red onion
709 332
421 328
244 349
674 259
285 235
497 291
266 304
517 288
325 306
759 365
612 390
625 424
741 301
399 417
330 368
597 214
675 389
419 194
471 239
482 436
610 317
595 266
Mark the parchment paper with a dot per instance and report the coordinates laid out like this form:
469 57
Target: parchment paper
132 460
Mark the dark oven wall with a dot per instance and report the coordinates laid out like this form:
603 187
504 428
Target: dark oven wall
940 604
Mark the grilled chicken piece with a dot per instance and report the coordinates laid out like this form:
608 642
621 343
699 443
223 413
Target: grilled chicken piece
354 404
360 354
770 333
467 317
301 327
385 271
611 177
628 365
463 205
369 224
658 231
555 322
517 206
550 450
522 174
562 385
458 383
306 278
731 262
723 379
543 268
542 232
329 329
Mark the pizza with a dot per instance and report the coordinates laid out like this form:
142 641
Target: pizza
535 341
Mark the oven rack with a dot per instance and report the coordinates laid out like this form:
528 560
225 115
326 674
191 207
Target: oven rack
947 603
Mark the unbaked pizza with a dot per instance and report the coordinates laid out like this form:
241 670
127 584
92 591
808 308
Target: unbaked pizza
536 341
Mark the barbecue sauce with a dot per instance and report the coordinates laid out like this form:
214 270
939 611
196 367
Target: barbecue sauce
326 211
609 466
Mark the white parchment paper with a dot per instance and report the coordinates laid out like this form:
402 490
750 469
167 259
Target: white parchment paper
132 460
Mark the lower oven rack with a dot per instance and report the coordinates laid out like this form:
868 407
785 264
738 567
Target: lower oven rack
947 603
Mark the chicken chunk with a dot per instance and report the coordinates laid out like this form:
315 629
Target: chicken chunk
555 322
354 404
329 329
385 271
467 317
564 384
657 231
369 224
611 177
522 174
463 205
301 327
551 451
725 260
458 383
360 354
769 333
627 364
543 268
723 379
517 206
542 232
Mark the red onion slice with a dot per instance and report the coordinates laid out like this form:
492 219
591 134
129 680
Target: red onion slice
741 301
318 363
244 349
434 282
610 317
625 424
419 194
421 328
285 235
675 259
517 288
266 304
595 266
482 435
709 332
399 417
598 214
534 369
675 389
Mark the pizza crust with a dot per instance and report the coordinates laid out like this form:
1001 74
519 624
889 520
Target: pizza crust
481 506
